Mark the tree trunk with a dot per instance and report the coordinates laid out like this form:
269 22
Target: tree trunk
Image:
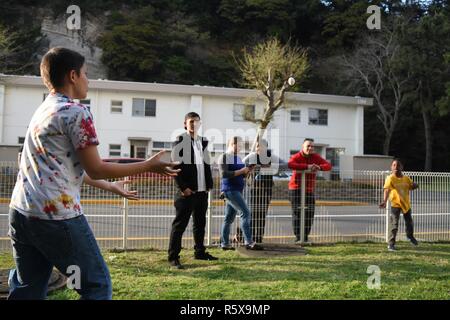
259 133
428 138
387 142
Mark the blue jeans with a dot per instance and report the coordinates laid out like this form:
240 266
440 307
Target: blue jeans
39 245
236 202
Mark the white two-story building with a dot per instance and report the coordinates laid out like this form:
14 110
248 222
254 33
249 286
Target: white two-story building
135 119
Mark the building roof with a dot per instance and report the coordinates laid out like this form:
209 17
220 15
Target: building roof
36 81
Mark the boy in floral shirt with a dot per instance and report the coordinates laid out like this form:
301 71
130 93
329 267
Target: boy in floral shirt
47 225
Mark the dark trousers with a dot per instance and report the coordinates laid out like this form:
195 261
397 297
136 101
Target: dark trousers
393 221
296 201
259 197
196 204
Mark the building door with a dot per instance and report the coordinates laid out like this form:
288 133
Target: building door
138 149
332 155
141 152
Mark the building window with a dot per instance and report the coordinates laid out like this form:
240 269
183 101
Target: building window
318 117
85 102
20 140
140 152
116 106
242 111
144 107
115 150
162 145
295 115
332 155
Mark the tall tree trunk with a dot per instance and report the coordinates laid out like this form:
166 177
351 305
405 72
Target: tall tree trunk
426 104
259 135
387 141
428 138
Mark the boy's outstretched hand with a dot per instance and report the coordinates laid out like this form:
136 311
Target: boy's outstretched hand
162 167
118 187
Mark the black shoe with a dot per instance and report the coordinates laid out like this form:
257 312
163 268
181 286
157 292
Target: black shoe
205 256
413 241
176 263
254 246
227 248
392 248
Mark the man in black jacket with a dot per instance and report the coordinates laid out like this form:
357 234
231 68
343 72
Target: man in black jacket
194 181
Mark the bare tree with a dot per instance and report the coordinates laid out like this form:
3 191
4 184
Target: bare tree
375 66
272 68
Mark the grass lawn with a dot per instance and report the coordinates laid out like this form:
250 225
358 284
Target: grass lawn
327 272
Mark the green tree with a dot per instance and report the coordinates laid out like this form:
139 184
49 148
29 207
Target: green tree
444 103
258 19
426 43
151 45
131 50
17 55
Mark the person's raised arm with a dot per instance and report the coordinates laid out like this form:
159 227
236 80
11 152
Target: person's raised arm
116 187
323 164
225 173
250 159
295 163
97 169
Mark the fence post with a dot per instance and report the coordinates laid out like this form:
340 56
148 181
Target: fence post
303 207
125 220
208 220
387 221
388 204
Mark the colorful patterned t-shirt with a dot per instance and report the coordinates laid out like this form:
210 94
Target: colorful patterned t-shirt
50 173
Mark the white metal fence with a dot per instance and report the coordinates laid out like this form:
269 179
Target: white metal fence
346 210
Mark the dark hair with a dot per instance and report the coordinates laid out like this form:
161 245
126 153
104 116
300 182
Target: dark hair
57 63
191 115
308 139
398 161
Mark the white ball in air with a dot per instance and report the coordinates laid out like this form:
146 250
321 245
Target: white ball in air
291 81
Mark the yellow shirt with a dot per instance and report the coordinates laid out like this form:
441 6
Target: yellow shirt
399 195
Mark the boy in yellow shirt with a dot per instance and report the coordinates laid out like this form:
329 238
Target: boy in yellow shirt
397 187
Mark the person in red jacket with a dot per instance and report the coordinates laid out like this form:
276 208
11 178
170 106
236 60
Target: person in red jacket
305 159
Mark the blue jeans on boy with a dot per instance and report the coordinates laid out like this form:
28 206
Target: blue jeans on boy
236 202
39 245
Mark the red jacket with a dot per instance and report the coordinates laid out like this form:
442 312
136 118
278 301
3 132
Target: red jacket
299 161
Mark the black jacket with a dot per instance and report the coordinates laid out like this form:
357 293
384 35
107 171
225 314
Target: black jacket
183 151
